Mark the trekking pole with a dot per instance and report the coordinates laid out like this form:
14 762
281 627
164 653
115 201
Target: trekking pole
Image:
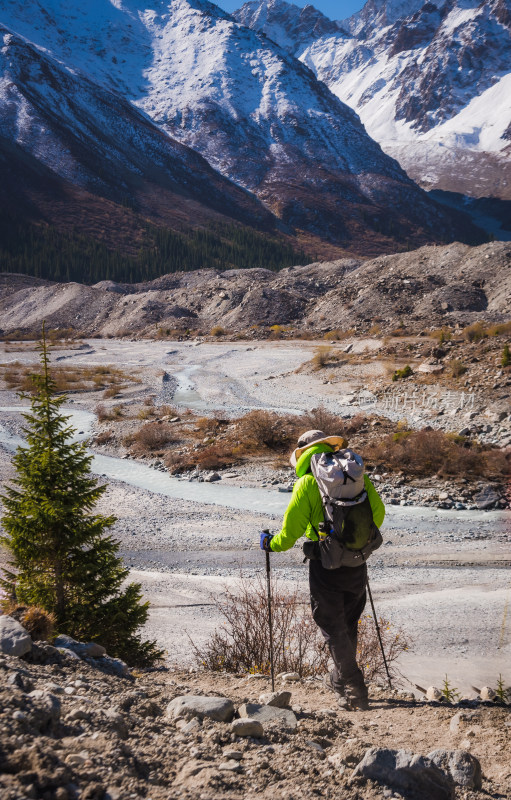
378 631
268 584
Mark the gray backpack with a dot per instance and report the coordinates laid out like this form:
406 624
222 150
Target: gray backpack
348 535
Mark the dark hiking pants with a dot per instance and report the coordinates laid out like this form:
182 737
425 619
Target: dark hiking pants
338 598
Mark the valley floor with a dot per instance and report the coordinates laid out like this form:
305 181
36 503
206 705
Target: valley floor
442 575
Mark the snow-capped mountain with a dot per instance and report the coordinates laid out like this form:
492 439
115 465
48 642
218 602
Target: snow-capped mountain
257 115
66 140
431 83
290 27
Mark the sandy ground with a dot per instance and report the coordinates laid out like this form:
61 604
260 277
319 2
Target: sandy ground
442 576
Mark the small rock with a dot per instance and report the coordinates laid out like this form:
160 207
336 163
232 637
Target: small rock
117 722
433 694
289 677
487 693
192 726
230 766
232 755
77 759
23 682
277 699
77 713
19 716
217 708
265 714
463 767
14 639
247 727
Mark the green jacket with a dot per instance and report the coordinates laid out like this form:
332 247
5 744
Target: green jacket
305 510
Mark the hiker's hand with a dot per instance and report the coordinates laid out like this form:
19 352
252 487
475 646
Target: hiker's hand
265 540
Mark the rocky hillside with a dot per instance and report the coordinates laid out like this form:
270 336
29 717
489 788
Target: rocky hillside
430 82
426 288
100 94
77 725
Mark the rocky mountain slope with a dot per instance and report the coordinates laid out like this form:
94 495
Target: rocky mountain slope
432 286
74 727
430 81
73 76
71 148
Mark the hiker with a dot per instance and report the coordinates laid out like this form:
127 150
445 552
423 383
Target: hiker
338 593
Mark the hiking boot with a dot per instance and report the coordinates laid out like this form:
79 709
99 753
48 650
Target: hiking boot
342 700
357 697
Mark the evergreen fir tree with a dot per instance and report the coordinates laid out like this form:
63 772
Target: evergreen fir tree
62 559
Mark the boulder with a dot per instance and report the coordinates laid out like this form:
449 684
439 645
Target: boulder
267 714
463 767
14 639
247 727
488 694
486 498
406 773
220 709
83 649
433 694
277 699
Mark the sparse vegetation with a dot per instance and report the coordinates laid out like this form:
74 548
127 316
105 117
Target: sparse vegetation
69 379
322 357
150 437
217 331
399 374
457 368
442 335
475 332
506 356
242 643
431 452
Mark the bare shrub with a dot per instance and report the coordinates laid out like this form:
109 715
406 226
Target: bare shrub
354 424
242 644
217 330
267 429
369 655
153 436
321 419
103 437
338 335
457 368
322 357
214 456
101 412
429 452
111 391
475 332
179 462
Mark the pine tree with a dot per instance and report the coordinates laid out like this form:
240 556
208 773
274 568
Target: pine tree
62 558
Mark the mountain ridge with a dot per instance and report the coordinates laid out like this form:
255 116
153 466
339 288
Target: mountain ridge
257 116
431 84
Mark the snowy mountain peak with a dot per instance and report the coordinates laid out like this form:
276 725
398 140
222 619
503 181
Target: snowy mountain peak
286 24
255 113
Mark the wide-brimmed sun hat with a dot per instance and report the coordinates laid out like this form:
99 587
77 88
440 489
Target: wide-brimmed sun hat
309 438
